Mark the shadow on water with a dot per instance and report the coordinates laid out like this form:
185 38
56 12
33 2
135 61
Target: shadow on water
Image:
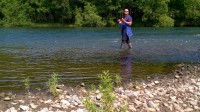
126 63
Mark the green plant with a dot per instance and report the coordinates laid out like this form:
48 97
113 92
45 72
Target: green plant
106 88
27 83
53 83
165 21
118 79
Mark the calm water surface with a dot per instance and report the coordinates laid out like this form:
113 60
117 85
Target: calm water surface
80 54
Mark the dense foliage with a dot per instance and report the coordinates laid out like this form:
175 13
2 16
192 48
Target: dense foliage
158 13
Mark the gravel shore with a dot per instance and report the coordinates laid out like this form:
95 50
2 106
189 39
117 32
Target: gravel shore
175 92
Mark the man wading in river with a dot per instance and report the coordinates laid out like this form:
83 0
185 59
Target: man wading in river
126 31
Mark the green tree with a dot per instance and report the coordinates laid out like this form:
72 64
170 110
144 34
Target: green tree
165 21
13 13
38 10
89 16
153 10
109 10
78 17
60 10
192 11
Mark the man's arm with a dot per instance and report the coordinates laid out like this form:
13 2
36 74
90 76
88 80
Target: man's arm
126 22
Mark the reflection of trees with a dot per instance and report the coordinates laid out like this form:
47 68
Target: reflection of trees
126 66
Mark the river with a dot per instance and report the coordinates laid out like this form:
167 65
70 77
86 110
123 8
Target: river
80 54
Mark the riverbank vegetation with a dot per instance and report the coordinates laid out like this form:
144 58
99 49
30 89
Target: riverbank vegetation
94 13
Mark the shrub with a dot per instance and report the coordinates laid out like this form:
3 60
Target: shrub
53 83
165 21
106 88
27 83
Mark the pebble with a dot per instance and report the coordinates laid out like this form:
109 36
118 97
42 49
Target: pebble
7 99
24 107
132 108
98 97
32 105
12 109
151 104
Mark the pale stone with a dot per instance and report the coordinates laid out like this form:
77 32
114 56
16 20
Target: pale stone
65 102
48 101
33 105
124 96
7 99
56 106
44 110
150 109
12 109
137 102
151 104
173 98
24 107
21 101
98 97
177 107
188 110
156 82
132 108
80 110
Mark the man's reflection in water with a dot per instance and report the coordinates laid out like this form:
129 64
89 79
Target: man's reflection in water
126 67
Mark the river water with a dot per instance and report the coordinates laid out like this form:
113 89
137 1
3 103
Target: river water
80 54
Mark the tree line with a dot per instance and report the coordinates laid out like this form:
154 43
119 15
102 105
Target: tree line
97 13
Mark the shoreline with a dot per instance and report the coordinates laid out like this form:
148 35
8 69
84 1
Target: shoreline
178 91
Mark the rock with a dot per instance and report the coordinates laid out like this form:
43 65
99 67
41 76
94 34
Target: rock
173 98
177 107
33 106
59 90
65 102
132 108
60 86
44 110
188 110
98 97
2 95
80 110
193 103
124 96
48 101
156 82
12 109
138 103
198 84
97 92
150 109
56 106
21 101
82 84
119 90
130 93
7 99
149 93
193 81
24 107
151 104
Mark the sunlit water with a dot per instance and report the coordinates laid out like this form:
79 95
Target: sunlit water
80 54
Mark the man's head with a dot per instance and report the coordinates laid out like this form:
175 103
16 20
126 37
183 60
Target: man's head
126 11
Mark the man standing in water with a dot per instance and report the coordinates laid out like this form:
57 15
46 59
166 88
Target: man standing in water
126 31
